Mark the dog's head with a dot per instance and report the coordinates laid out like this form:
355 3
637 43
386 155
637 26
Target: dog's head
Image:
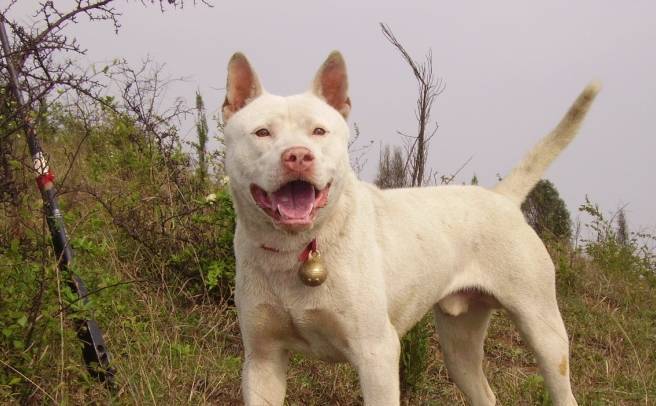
286 156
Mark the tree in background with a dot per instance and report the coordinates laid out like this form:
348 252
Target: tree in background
622 228
201 132
547 213
391 169
429 87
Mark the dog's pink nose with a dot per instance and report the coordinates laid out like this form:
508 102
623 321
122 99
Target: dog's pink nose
298 159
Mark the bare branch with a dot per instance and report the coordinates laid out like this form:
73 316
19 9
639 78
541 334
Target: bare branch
429 87
44 55
358 152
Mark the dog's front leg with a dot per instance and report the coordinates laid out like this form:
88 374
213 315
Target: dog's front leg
264 377
377 363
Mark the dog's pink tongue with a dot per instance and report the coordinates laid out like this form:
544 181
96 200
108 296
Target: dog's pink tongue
295 200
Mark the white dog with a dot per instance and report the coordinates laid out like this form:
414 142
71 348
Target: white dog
389 255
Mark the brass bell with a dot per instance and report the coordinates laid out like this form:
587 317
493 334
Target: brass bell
312 272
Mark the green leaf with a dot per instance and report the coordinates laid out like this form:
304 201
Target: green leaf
22 321
19 345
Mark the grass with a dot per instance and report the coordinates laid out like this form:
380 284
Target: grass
145 235
170 348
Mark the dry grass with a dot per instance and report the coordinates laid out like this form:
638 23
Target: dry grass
168 354
175 343
171 347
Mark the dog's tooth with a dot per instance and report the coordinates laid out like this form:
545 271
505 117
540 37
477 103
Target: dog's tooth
280 212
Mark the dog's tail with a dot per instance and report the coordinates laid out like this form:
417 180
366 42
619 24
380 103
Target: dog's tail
518 184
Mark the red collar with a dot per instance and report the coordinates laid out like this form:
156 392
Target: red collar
303 256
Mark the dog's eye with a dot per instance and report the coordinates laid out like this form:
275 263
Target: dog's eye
319 131
262 132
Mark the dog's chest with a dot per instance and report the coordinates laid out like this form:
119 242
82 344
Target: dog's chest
319 333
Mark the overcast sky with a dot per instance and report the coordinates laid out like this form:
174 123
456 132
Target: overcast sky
511 70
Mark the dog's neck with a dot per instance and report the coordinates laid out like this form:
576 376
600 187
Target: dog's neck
303 255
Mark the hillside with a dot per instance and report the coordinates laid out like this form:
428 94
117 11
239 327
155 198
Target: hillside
153 241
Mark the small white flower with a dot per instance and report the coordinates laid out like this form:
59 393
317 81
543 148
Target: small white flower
211 198
224 181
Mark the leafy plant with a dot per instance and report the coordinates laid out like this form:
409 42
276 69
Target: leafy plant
547 213
414 354
616 248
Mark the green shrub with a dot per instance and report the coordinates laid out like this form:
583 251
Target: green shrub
138 220
616 249
547 213
414 354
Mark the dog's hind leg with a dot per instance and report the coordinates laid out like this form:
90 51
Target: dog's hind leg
461 338
540 324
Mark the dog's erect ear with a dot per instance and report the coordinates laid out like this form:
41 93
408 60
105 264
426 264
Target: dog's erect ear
331 83
243 85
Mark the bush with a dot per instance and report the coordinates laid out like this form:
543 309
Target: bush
547 213
617 249
414 354
137 219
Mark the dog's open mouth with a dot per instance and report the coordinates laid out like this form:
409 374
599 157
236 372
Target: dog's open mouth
294 204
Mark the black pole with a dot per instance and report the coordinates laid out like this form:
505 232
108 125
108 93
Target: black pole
95 353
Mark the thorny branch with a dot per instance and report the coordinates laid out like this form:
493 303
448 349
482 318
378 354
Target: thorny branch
142 90
44 56
358 152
